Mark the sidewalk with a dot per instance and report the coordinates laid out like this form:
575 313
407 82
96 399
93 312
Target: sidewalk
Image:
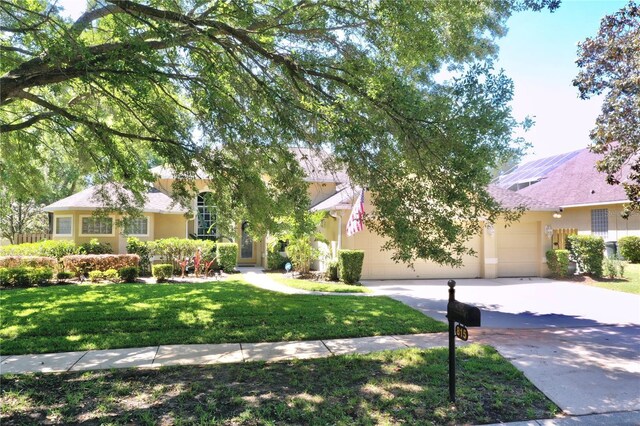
165 355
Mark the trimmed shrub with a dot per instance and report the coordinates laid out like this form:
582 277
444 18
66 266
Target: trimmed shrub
588 253
275 260
613 267
558 262
112 275
95 247
629 248
64 275
33 261
25 276
96 276
162 271
331 274
227 254
82 263
128 274
142 249
171 250
350 265
48 248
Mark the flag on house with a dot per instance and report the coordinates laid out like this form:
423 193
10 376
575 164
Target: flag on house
356 220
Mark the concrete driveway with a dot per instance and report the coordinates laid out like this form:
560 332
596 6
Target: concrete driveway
580 345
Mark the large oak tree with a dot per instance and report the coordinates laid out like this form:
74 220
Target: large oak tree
224 88
610 66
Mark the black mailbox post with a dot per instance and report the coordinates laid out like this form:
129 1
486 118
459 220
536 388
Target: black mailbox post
466 316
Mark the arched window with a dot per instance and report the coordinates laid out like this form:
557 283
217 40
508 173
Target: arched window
206 219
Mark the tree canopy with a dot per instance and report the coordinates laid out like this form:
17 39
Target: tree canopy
610 65
227 87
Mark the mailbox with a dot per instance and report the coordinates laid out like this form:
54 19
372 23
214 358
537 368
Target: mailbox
466 315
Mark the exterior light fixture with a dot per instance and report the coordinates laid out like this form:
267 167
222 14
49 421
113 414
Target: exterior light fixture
548 230
490 229
557 215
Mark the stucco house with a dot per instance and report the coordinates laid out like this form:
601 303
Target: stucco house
517 250
589 205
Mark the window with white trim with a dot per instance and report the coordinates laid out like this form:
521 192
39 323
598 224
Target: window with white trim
96 226
138 226
600 222
206 217
64 225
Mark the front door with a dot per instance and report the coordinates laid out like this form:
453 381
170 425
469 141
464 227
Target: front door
247 252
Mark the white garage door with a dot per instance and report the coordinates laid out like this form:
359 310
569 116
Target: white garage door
518 253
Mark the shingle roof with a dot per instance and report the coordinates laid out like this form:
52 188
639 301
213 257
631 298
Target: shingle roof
315 164
156 202
577 182
511 200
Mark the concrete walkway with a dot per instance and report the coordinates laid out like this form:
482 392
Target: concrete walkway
578 344
165 355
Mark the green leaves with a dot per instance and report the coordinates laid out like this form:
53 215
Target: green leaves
224 89
609 65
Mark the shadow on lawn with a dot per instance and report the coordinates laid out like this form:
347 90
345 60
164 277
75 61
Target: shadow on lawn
396 387
131 315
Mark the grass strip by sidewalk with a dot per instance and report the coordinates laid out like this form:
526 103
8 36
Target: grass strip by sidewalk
83 317
394 387
317 285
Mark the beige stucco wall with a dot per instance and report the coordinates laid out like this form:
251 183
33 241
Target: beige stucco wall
580 218
518 250
170 225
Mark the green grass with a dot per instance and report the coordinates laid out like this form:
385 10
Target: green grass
395 387
631 284
316 285
82 317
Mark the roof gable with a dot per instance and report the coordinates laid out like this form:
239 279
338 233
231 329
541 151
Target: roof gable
577 182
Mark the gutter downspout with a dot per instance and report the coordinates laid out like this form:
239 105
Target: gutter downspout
334 214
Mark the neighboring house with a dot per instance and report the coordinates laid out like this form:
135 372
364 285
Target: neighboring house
589 205
517 250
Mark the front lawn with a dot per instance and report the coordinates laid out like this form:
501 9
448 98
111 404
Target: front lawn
395 387
317 285
82 317
630 283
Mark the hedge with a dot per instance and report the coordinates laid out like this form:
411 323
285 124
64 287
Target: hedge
48 248
25 276
83 263
172 249
350 265
331 274
128 274
227 256
142 249
275 260
558 262
629 248
162 271
33 261
588 253
95 247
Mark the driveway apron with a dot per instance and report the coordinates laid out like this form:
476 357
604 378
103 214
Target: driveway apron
580 345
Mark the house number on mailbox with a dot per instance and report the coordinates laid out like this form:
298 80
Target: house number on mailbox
462 332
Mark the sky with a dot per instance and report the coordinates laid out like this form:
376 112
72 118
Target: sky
539 54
